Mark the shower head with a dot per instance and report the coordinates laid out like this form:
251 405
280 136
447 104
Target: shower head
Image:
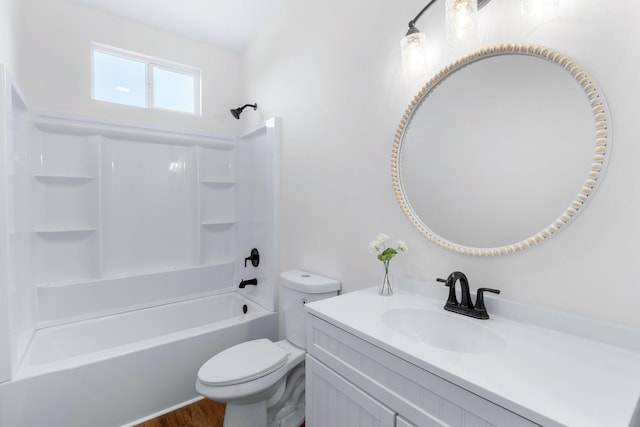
235 112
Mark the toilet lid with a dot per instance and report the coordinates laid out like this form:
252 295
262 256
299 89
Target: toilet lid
243 362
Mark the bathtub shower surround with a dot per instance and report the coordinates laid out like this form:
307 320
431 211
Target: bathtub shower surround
122 217
106 221
130 218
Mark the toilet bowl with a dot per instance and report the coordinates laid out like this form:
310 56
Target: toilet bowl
261 381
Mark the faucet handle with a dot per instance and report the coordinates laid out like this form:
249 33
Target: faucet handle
452 300
494 291
480 307
254 258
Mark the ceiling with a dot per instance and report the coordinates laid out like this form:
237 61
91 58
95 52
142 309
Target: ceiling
228 24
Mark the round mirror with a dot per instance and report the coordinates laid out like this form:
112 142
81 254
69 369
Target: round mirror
501 150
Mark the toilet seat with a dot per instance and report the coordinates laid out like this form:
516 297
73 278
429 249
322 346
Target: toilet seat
242 363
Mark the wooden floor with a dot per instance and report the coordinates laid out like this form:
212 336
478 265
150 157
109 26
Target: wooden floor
204 413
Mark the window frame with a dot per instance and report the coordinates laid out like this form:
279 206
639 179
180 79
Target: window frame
150 64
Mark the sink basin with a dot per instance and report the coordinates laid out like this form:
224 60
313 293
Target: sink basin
444 330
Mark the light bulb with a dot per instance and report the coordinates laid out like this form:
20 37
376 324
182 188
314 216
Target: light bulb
414 54
462 17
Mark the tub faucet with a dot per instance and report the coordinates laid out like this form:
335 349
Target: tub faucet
465 306
244 283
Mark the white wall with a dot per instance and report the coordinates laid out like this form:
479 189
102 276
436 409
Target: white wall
332 71
55 75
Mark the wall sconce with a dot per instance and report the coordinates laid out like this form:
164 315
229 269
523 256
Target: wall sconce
461 16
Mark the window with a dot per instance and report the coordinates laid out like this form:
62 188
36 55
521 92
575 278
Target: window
120 80
141 81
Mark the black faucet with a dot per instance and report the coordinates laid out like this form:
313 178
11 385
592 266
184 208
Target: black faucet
465 307
244 283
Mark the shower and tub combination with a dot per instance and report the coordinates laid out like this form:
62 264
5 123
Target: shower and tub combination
121 253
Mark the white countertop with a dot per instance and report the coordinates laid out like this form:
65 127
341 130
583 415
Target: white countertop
550 367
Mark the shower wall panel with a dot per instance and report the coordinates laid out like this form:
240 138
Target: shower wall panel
128 217
148 207
16 292
258 182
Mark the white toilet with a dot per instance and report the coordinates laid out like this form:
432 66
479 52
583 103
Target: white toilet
262 382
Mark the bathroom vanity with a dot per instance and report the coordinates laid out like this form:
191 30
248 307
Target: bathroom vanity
404 361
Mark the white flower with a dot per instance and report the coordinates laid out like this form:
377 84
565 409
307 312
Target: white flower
382 238
380 248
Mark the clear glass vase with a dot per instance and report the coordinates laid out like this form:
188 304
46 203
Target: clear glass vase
385 287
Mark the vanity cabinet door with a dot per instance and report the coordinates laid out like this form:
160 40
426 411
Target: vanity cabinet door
421 397
333 401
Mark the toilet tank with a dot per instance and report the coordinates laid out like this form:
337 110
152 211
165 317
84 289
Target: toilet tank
296 289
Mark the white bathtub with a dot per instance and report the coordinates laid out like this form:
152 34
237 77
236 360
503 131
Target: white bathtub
123 369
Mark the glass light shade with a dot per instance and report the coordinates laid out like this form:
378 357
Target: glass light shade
462 17
414 54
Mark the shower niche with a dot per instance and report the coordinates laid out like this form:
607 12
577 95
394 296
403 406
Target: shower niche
217 189
64 207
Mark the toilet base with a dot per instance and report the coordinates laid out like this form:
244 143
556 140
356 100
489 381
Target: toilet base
295 419
285 408
252 414
255 415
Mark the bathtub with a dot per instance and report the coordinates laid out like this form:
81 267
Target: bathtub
123 369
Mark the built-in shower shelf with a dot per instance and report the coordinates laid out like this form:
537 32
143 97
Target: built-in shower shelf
218 223
222 263
63 283
61 179
218 182
62 300
66 230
